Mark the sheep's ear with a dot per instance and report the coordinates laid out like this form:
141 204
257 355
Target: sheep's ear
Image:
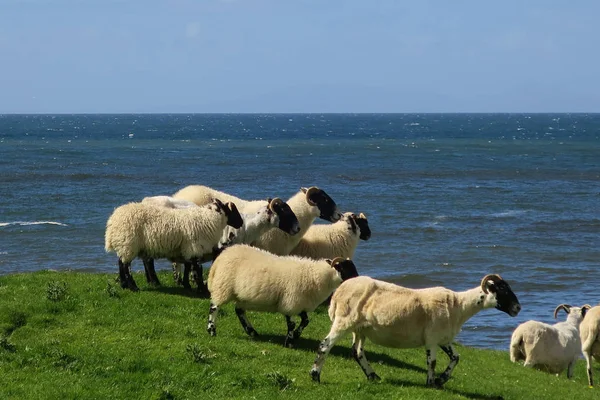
269 200
329 261
304 190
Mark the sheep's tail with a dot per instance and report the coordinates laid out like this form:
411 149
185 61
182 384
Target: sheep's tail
516 348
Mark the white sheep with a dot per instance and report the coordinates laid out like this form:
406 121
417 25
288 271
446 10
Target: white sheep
552 348
589 331
395 316
334 240
275 214
149 232
257 280
168 201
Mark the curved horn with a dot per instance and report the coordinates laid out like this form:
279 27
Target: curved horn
586 306
310 192
489 277
565 307
337 260
361 215
275 202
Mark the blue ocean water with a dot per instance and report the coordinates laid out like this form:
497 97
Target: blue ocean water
449 197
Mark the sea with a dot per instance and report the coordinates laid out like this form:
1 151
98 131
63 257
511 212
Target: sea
449 197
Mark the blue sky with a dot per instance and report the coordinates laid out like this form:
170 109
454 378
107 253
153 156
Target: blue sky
76 56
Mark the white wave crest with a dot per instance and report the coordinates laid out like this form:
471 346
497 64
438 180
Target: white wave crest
27 223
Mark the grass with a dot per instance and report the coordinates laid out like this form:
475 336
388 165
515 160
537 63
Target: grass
67 335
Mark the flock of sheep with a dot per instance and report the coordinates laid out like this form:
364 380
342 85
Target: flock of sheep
267 256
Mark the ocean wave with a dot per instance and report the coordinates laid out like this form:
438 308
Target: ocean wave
28 223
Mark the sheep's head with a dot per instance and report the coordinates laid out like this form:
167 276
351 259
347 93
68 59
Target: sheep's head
345 267
283 216
576 313
500 295
318 198
234 219
359 222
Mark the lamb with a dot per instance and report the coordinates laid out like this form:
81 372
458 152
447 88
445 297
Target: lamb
276 213
550 347
148 231
395 316
589 331
335 240
257 280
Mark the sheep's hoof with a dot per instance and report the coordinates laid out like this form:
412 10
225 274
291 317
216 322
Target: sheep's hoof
251 332
315 375
288 343
439 383
373 377
211 331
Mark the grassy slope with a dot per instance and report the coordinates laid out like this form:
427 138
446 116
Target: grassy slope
95 340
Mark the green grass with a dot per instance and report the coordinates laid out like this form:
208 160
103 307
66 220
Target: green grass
69 335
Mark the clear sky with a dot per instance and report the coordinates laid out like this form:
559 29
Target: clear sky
102 56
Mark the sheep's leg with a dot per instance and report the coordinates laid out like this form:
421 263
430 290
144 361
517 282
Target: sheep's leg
588 360
187 266
359 355
324 348
454 358
248 328
570 369
212 318
177 273
303 324
431 353
289 337
199 278
127 281
151 276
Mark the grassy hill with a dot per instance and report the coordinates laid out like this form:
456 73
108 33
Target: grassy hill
66 335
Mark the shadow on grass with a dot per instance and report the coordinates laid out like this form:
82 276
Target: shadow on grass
468 395
311 345
179 291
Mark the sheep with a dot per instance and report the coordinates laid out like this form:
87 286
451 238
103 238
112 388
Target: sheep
148 231
257 280
395 316
589 331
201 195
549 347
168 201
276 213
307 204
335 240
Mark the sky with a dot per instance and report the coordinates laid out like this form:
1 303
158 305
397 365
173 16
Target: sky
294 56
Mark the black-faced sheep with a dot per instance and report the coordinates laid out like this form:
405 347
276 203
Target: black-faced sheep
334 240
150 232
395 316
257 280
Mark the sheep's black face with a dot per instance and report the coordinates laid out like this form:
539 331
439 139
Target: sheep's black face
363 225
288 222
347 269
234 219
506 300
326 205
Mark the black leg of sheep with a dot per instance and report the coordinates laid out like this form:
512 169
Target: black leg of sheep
199 279
125 277
248 328
151 276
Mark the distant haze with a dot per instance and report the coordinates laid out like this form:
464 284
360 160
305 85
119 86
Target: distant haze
277 56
